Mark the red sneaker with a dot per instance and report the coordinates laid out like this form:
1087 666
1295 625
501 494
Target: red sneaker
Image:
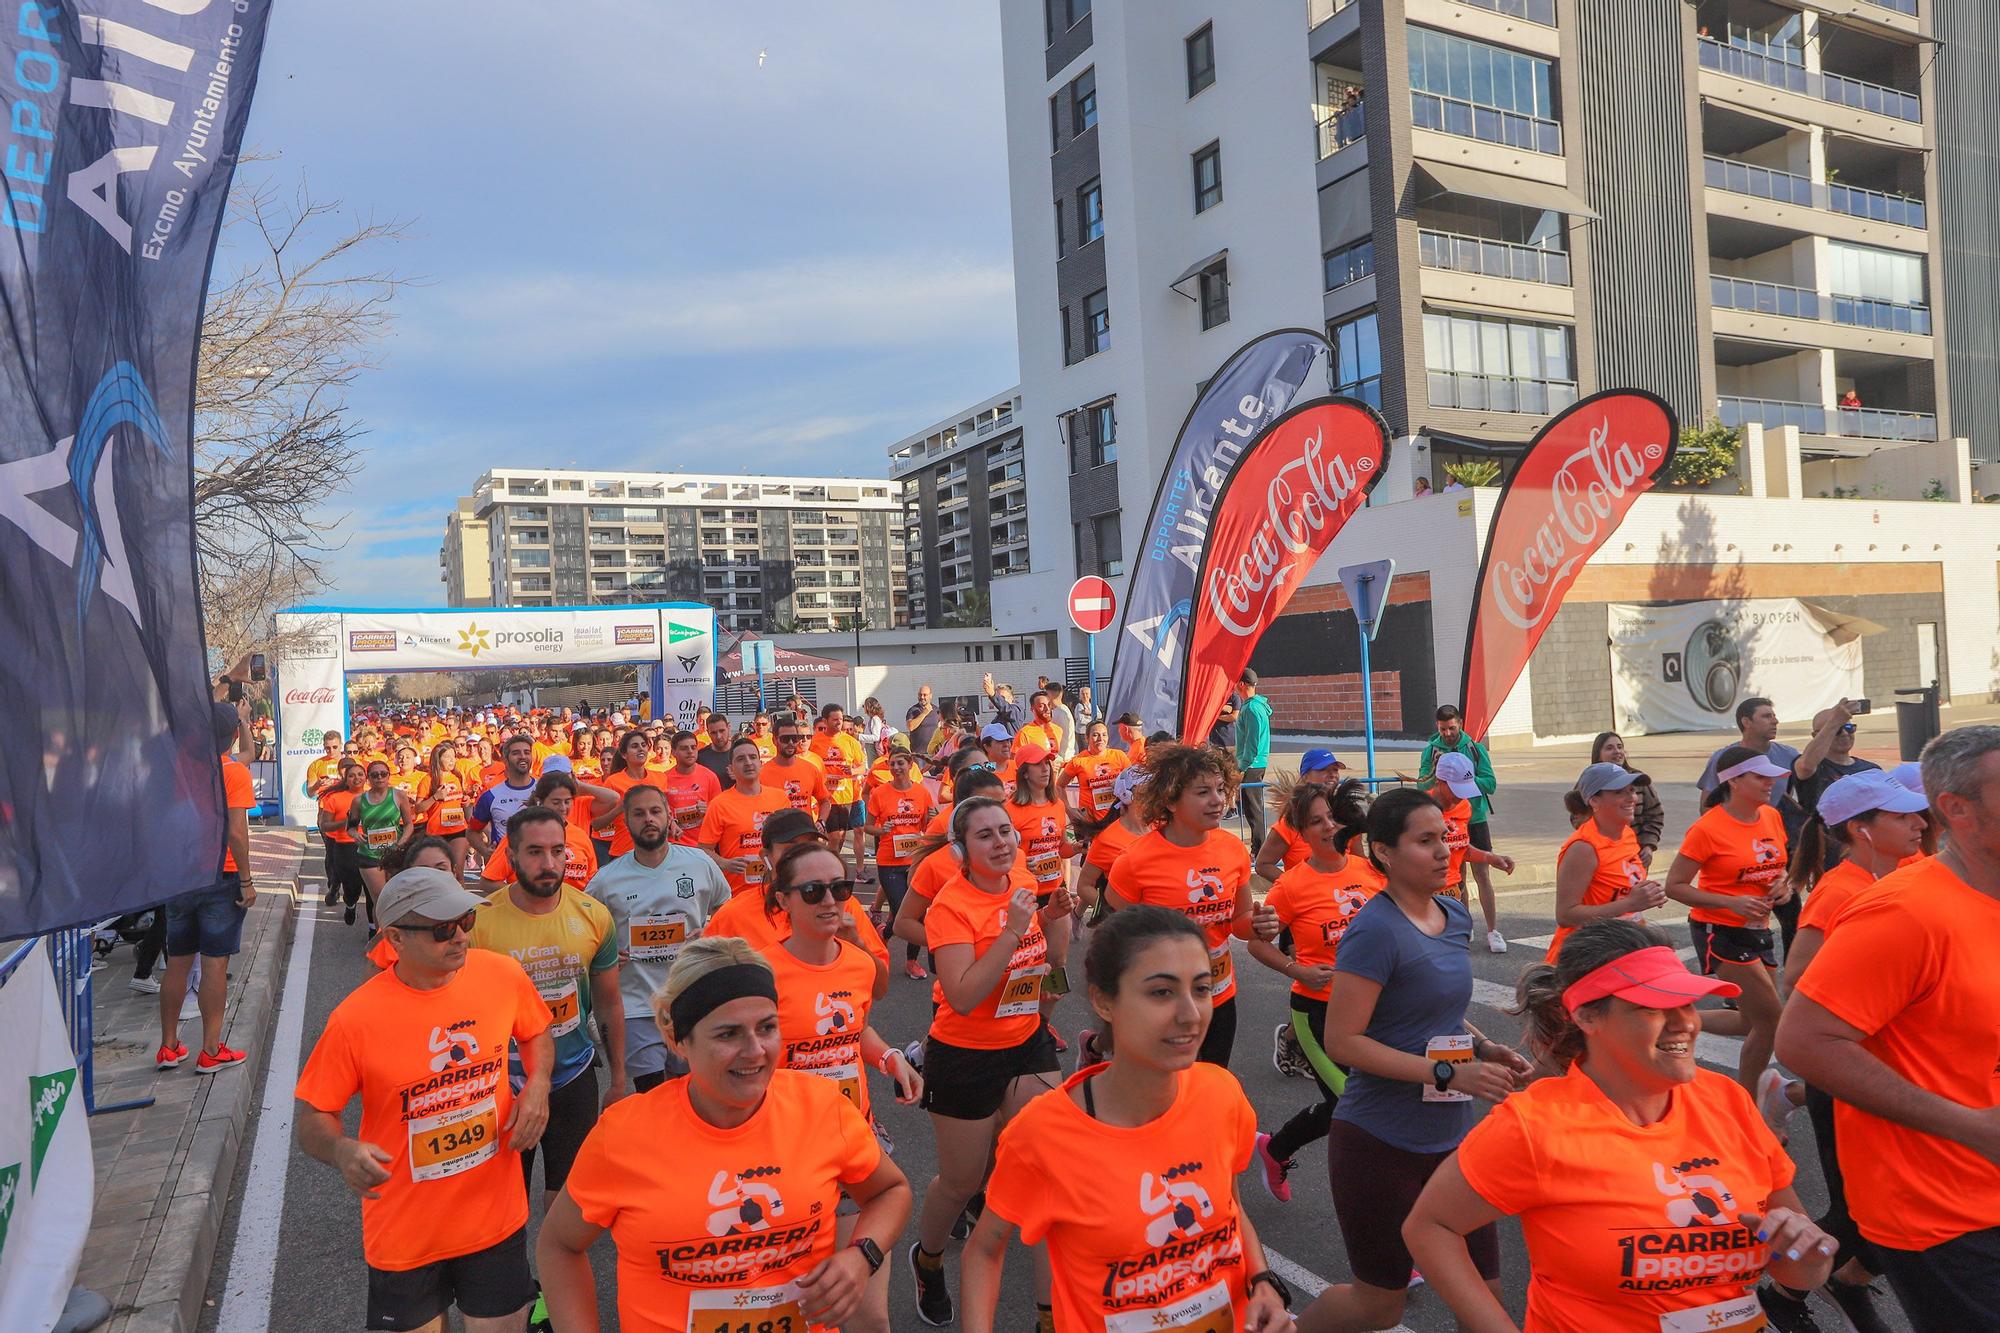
223 1058
914 970
169 1056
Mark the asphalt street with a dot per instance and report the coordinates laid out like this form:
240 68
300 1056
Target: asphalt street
290 1256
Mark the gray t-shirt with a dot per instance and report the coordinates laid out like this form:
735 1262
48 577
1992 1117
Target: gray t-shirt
1784 756
1426 985
656 911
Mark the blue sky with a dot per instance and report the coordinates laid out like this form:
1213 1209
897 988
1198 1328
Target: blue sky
639 249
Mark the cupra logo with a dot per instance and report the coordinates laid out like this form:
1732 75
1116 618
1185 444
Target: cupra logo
472 640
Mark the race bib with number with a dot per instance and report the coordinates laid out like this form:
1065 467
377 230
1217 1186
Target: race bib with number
690 816
655 938
1453 1051
1740 1315
453 1141
1046 867
451 818
380 839
565 1006
903 846
1100 794
1207 1311
1021 994
846 1077
747 1310
1221 973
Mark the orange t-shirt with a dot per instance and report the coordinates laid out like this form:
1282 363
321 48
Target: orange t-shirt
766 745
1833 891
1296 850
335 804
898 816
239 792
1135 750
1910 963
446 817
1108 846
821 1012
844 761
802 782
1458 840
430 1067
1628 1224
718 1243
1619 871
622 782
1093 775
1045 734
1741 860
1010 1014
1175 1261
688 795
1042 828
579 860
1200 882
734 826
1318 906
744 917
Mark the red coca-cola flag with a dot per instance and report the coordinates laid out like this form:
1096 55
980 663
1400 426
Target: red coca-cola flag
1570 491
1275 513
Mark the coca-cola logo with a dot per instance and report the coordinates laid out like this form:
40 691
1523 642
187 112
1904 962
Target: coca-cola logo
322 695
1588 491
1303 507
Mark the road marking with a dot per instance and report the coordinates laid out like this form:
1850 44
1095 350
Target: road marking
1305 1283
253 1264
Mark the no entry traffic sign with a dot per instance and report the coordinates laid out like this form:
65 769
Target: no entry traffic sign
1092 604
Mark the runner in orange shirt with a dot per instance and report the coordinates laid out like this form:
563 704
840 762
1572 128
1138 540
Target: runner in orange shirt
1094 770
1453 788
556 790
1132 737
750 917
1615 1166
1041 729
1108 843
796 773
689 788
735 1236
442 802
997 744
898 811
409 775
1194 866
629 771
1283 847
344 881
937 857
733 829
1041 817
845 763
1599 871
436 1165
1183 1254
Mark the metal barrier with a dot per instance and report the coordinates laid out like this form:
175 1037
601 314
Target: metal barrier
69 960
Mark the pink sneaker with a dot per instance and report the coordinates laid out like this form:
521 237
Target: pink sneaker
1273 1170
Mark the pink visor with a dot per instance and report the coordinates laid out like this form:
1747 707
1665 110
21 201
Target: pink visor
1653 977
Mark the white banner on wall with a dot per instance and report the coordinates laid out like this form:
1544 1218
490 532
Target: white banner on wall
1684 667
474 639
47 1179
688 654
309 688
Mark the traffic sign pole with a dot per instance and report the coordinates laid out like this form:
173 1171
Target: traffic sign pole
1092 639
1092 604
1367 588
1368 706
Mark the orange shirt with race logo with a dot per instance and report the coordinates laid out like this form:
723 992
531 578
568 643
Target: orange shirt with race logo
744 917
334 804
688 797
621 782
803 783
766 745
1457 840
899 817
1619 871
718 1243
1296 851
1909 962
1093 775
1737 859
844 761
1318 906
446 818
239 792
1011 1012
1200 882
1628 1225
1109 845
579 860
1043 828
430 1067
1045 734
734 826
1142 1224
821 1011
1833 891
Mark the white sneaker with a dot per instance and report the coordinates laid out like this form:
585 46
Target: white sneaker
190 1008
1772 1102
1495 942
145 984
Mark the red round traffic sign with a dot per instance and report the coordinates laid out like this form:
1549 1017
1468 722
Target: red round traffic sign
1092 604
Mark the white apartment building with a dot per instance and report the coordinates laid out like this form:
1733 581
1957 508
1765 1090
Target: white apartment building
963 486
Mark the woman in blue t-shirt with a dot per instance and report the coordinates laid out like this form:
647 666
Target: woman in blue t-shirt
1396 1017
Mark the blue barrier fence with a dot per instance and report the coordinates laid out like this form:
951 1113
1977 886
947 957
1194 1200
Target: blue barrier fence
69 960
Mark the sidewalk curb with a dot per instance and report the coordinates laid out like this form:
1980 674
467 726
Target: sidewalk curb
175 1282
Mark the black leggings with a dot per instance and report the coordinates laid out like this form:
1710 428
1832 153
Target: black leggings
1836 1221
572 1115
344 873
895 882
1310 1124
1215 1047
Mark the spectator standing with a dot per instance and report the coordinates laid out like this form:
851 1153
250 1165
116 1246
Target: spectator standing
875 729
1253 753
1450 738
1000 698
1223 734
920 723
1086 708
1060 710
1650 818
714 755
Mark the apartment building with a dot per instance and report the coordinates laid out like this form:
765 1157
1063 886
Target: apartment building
768 553
465 560
1767 211
963 487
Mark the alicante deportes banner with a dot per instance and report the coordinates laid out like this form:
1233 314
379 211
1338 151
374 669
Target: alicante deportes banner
123 128
1275 514
1572 488
1253 387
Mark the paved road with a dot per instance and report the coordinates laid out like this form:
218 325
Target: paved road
289 1257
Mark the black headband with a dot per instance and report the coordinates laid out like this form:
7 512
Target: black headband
711 991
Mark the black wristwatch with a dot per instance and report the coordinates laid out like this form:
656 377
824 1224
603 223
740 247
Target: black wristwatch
870 1252
1277 1284
1441 1074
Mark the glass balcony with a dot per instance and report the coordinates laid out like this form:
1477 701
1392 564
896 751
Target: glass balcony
1876 424
1889 315
1900 6
1495 259
1341 128
1786 188
1450 115
1535 11
1500 393
1784 67
1772 412
1813 419
1764 298
1902 209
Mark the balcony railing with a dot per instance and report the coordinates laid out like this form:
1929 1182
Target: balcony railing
1451 115
1900 6
1764 298
1870 423
1780 67
1890 315
1500 393
1814 419
1495 259
1535 11
1787 188
1902 209
1772 412
1337 129
1319 11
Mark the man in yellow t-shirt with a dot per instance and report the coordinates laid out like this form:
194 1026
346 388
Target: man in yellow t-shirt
845 762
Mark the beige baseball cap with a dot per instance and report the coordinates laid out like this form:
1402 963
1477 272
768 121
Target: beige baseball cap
423 891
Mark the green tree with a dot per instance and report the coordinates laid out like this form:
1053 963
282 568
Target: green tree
1707 453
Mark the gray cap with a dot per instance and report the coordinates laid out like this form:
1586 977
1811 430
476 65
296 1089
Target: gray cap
423 891
1601 778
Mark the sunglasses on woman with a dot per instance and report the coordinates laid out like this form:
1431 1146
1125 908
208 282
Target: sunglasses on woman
814 891
444 930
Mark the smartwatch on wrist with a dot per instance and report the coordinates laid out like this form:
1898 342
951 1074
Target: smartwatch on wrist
1275 1283
1441 1074
871 1253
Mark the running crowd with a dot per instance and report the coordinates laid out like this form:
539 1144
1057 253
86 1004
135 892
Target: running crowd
646 958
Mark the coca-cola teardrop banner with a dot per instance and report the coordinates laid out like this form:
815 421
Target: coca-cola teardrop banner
1276 512
1572 488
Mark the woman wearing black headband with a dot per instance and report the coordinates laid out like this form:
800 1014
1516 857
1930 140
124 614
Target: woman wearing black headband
758 1151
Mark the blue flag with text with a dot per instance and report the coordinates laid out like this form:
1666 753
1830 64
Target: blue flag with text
122 130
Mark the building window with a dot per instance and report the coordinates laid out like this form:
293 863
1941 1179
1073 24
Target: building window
1096 322
1090 212
1055 124
1096 434
1110 546
1201 58
1083 102
1498 365
1208 178
1062 15
1357 359
1214 296
1350 263
1482 92
1062 245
